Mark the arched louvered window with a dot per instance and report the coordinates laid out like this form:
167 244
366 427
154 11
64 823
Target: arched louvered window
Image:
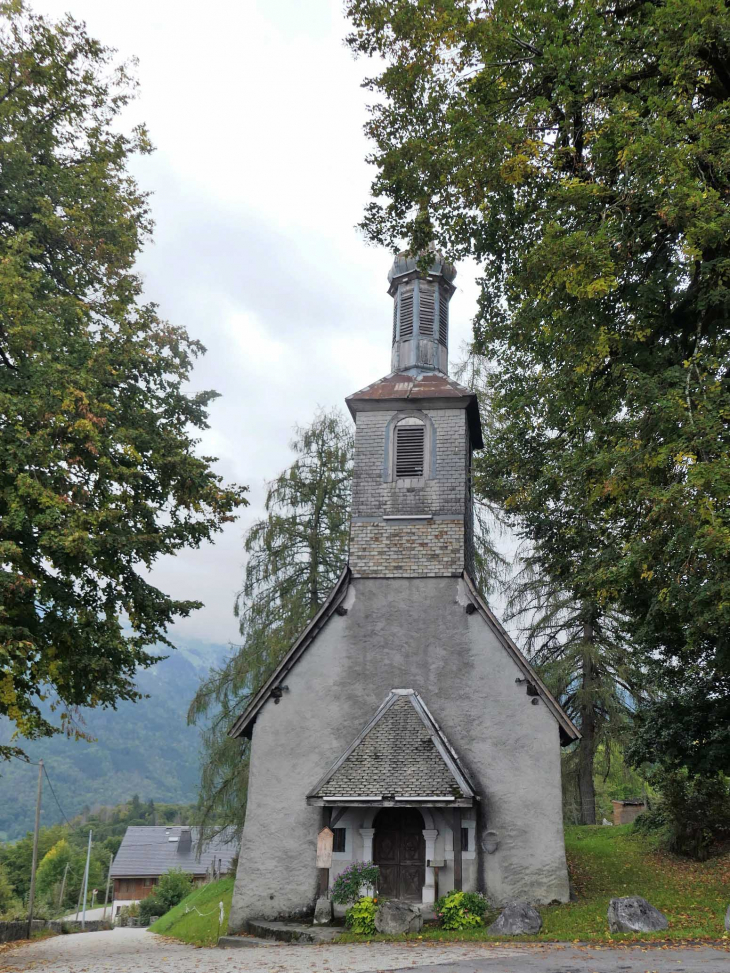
395 316
410 448
426 308
443 318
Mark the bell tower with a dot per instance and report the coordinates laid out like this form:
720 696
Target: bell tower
421 313
415 432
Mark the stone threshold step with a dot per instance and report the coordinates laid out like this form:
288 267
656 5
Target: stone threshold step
243 942
292 932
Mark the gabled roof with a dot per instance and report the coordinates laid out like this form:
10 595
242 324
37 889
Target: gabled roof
422 389
152 851
402 756
244 724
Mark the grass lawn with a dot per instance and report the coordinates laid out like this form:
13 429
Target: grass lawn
196 919
607 863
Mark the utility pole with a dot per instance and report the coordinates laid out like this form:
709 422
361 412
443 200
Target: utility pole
31 896
63 885
86 883
108 876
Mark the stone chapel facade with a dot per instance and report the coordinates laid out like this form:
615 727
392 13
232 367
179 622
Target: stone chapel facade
404 716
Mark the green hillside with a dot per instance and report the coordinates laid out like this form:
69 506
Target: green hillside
197 918
143 748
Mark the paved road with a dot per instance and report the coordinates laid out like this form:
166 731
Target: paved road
137 951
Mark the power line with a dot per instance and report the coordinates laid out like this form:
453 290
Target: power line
58 803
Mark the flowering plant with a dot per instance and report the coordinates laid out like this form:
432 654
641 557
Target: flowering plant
348 885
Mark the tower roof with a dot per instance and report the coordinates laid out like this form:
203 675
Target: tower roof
432 389
400 756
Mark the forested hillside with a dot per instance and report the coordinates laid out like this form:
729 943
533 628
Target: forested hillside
143 748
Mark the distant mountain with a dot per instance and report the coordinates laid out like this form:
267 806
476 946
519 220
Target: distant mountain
143 748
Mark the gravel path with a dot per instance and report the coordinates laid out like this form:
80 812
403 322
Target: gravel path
137 951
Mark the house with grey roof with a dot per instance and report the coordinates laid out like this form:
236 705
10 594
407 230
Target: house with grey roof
147 853
404 726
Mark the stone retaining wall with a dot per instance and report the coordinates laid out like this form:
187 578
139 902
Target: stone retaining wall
11 931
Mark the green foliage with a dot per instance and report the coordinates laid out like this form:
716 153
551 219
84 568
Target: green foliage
461 910
172 888
53 865
108 826
348 885
99 474
295 556
196 919
580 153
151 906
7 892
360 917
692 815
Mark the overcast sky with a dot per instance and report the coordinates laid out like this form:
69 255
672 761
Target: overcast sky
259 180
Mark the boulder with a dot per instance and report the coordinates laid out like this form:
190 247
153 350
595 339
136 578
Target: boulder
634 914
727 919
323 911
396 917
516 919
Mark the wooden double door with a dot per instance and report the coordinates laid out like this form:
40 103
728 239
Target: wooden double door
399 850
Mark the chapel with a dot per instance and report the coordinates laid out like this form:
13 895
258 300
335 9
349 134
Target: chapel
404 718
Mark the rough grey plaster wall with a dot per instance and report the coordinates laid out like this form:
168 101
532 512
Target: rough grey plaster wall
404 634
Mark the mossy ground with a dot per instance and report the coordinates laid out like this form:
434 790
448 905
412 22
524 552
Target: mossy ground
196 919
606 863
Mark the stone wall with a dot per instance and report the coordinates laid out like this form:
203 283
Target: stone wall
11 931
406 634
415 549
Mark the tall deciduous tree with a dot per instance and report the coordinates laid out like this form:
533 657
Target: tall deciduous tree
296 553
99 473
581 152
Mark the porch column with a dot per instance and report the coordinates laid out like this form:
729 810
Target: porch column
367 843
367 854
429 889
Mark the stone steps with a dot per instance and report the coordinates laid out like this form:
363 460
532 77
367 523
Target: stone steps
292 932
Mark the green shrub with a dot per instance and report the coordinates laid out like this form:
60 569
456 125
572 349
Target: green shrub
693 813
172 888
461 910
360 917
151 906
347 887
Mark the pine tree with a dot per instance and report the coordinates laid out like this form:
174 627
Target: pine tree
295 556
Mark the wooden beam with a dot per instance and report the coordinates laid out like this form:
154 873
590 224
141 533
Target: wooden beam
336 816
456 823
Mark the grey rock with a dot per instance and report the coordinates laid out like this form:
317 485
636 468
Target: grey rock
396 917
516 919
634 914
727 919
323 912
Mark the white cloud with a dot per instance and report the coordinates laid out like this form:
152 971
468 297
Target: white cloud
259 180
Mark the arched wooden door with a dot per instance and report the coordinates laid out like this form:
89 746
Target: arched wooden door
399 849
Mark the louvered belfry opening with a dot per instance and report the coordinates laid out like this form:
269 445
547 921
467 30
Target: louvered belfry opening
406 313
427 308
410 442
444 319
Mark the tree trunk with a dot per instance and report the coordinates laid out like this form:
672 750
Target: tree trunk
587 748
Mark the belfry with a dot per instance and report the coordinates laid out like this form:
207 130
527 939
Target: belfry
404 717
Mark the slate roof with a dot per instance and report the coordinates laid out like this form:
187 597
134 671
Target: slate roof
420 388
401 753
152 851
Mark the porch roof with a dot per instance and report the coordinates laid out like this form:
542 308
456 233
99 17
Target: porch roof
401 757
